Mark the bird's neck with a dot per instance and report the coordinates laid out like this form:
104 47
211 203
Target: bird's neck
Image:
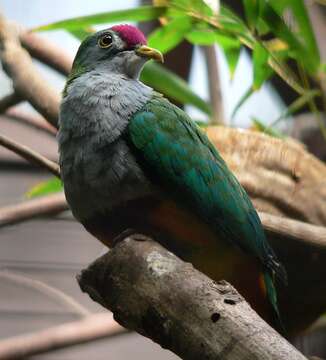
101 103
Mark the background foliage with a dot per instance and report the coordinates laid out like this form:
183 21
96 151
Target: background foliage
275 33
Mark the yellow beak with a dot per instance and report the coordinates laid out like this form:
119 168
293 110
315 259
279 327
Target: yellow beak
150 53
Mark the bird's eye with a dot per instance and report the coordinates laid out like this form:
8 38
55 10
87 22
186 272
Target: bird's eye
105 41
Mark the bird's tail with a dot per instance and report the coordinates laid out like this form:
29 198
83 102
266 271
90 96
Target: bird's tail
272 296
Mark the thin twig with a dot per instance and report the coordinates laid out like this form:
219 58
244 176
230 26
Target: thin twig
50 291
91 328
27 81
43 206
9 101
30 155
35 121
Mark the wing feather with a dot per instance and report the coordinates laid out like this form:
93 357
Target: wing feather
184 160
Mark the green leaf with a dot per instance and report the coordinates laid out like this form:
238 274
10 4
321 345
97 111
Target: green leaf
322 68
297 105
251 8
301 101
282 69
207 36
230 45
170 35
203 37
260 62
232 24
305 29
281 29
242 100
193 6
232 57
143 13
46 187
82 33
261 127
302 28
173 86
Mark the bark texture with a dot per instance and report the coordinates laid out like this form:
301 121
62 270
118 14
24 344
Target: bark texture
153 292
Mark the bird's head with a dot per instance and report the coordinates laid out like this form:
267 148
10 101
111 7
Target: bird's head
120 49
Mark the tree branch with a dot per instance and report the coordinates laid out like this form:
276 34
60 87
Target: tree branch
43 206
9 101
55 294
289 229
27 81
45 51
35 121
30 155
309 234
93 327
153 292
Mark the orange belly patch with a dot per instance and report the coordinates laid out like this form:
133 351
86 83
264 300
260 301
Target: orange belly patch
212 256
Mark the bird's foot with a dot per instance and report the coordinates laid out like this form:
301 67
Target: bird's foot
125 233
140 237
129 233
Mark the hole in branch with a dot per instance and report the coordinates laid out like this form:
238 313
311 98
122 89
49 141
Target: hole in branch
229 301
215 317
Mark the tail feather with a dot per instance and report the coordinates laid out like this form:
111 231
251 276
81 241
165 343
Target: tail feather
277 269
272 296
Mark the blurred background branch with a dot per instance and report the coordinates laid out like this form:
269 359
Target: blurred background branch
89 329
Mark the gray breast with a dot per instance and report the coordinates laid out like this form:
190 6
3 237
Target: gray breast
99 170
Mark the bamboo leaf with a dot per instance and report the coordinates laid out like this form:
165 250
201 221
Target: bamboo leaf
281 30
207 36
251 8
297 105
171 85
276 45
285 73
242 100
46 187
198 6
300 102
231 23
232 57
305 29
166 37
260 62
230 45
81 33
214 5
203 37
322 68
143 13
261 127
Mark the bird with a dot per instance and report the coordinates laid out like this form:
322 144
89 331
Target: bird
134 163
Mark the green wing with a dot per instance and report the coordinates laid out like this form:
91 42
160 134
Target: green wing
178 153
